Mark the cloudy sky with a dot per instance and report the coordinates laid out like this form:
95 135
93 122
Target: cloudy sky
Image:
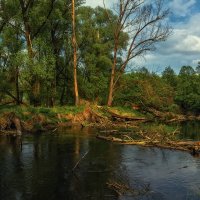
183 46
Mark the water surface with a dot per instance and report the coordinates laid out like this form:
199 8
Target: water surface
42 169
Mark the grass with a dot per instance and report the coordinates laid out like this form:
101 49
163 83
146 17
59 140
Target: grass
68 109
26 112
158 128
51 114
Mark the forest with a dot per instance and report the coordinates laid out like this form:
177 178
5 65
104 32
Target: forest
55 53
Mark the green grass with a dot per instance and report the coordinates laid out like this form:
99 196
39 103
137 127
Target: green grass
158 128
51 114
68 109
26 112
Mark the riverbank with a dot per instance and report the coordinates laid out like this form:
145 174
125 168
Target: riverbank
22 119
116 124
31 119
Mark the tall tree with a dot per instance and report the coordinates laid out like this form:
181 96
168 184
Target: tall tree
74 43
146 26
32 27
95 41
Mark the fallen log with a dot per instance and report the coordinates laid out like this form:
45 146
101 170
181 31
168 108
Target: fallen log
170 117
8 132
192 146
121 141
109 131
119 117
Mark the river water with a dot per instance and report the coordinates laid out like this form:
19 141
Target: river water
41 168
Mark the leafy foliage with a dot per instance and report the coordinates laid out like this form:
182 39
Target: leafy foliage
142 88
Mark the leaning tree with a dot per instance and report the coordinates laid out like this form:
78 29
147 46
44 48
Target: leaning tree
146 24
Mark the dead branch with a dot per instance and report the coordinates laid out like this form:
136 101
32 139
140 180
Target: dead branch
191 146
76 165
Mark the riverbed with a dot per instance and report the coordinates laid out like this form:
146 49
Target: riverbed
72 164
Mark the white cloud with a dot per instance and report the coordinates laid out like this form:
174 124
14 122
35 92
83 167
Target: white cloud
181 48
190 43
94 3
181 7
195 62
193 24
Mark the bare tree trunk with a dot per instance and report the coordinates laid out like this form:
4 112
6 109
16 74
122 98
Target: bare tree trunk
28 40
112 78
75 54
111 87
62 96
110 94
56 54
17 86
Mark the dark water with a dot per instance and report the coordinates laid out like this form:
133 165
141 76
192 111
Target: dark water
191 130
42 169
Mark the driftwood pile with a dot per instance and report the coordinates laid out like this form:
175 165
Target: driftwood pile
105 117
146 141
170 117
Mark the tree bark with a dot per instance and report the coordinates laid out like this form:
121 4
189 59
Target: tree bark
111 87
17 86
75 54
112 78
62 96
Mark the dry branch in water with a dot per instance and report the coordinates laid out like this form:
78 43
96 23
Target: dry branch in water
123 189
76 165
191 146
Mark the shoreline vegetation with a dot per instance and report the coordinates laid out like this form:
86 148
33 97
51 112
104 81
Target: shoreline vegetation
33 119
121 125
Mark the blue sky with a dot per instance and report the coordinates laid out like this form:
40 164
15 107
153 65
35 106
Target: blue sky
183 46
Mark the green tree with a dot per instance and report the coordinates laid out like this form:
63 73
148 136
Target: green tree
169 76
197 70
188 92
186 71
142 89
95 39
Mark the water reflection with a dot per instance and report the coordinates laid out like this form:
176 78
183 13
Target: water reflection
190 130
43 169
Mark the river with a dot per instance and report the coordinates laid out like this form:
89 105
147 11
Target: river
39 167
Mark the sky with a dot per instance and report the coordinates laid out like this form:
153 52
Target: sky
182 47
